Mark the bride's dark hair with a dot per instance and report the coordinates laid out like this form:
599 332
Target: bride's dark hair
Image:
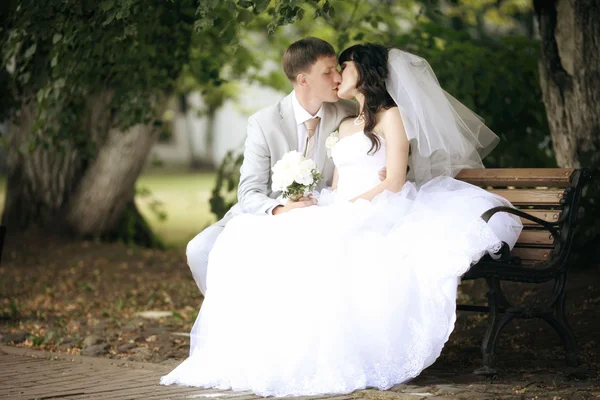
371 62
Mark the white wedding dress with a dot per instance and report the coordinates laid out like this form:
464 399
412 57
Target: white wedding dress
340 296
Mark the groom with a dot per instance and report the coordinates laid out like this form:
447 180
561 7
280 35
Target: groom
301 121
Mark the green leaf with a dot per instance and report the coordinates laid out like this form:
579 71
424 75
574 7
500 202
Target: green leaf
245 3
31 51
56 38
122 14
25 77
177 315
245 16
260 5
106 5
59 83
108 20
343 40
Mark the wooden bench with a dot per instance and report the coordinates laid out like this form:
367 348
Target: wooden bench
547 201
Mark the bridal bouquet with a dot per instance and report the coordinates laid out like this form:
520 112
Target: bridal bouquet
294 175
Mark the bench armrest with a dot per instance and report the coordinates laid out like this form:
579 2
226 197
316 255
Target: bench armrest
549 226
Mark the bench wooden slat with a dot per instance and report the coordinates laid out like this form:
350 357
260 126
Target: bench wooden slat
546 215
535 237
518 177
531 254
533 197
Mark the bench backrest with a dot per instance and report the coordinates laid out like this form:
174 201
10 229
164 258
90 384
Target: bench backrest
551 194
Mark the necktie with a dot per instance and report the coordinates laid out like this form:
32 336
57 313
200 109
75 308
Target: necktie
311 139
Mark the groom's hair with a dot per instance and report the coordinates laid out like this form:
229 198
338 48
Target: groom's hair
301 55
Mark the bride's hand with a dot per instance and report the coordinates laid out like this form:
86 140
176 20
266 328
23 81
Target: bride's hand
383 174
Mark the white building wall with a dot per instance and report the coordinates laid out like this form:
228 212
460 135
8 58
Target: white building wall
229 126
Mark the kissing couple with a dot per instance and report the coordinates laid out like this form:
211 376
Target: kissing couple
355 286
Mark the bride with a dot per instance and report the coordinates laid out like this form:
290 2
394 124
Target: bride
360 290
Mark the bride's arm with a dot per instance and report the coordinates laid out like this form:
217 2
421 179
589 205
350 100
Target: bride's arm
335 179
397 146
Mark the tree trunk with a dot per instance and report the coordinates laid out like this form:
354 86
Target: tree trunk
62 190
109 182
38 180
570 78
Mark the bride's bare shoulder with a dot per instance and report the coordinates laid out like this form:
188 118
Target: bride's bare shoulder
392 113
390 117
390 122
346 125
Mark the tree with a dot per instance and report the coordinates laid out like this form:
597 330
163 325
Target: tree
88 83
570 78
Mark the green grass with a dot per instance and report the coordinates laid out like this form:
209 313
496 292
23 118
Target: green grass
184 198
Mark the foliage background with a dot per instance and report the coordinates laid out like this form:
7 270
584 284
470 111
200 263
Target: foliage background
493 71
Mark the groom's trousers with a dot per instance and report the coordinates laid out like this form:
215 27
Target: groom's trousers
197 253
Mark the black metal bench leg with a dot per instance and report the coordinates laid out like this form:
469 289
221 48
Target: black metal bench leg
497 321
559 322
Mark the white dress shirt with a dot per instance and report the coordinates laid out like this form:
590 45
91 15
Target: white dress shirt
302 116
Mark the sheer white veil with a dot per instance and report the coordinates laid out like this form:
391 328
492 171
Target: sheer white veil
445 135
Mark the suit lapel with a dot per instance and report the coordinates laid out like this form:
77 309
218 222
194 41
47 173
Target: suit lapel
288 122
327 126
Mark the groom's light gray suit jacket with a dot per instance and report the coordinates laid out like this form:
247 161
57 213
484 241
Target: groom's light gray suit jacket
271 134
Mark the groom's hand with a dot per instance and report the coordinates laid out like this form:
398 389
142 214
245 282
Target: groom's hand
382 174
301 203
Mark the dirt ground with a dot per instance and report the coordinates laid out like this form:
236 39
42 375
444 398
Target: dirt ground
84 297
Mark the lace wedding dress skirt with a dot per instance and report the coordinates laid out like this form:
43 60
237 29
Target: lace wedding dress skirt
340 296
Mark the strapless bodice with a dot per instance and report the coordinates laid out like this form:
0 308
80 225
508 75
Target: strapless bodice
358 170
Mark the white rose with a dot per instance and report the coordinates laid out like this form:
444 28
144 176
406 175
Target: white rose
285 170
292 158
304 178
282 164
288 176
277 185
307 165
331 141
305 172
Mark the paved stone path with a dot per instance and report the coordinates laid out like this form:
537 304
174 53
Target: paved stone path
31 374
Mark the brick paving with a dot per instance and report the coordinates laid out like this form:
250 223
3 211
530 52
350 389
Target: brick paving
29 375
37 375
